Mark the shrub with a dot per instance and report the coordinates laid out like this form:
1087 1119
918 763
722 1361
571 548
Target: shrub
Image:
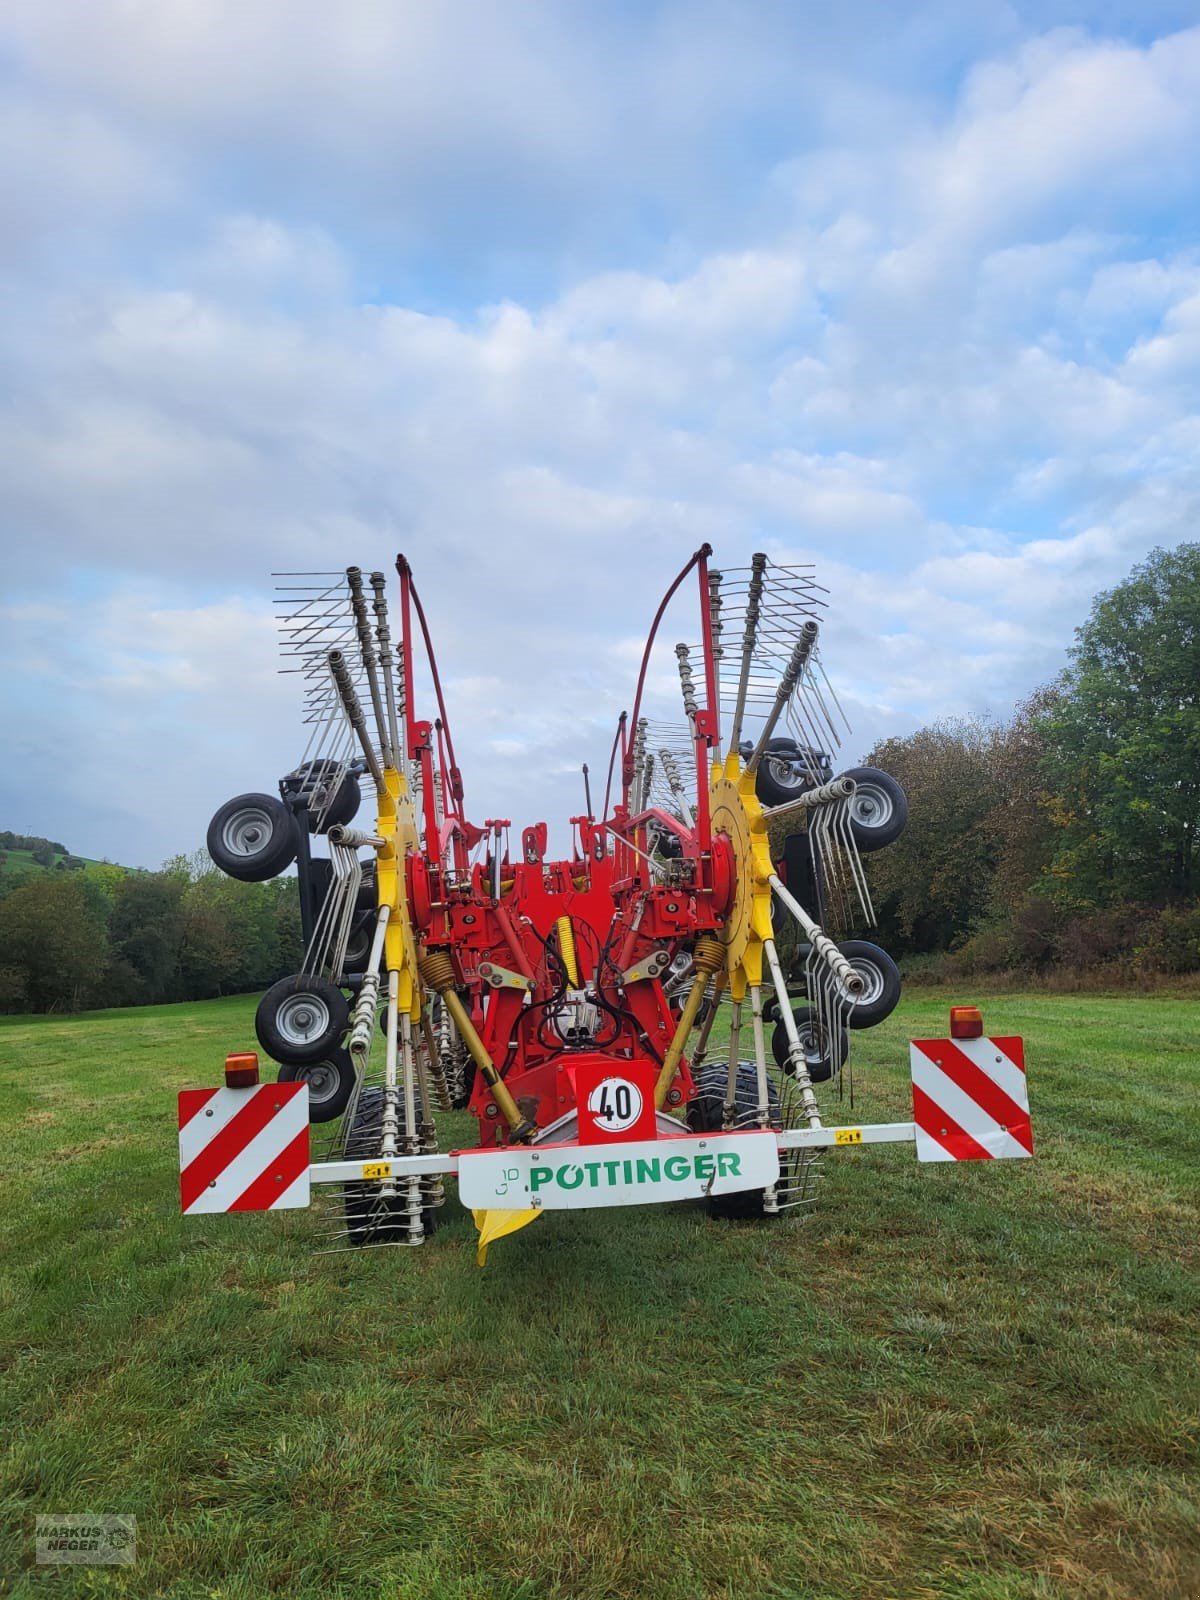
1171 943
1037 927
990 949
1099 937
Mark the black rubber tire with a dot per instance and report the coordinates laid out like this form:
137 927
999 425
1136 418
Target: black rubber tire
883 982
817 1053
774 784
253 837
342 809
330 1083
301 1019
663 841
358 946
879 809
770 1008
706 1114
368 1213
368 890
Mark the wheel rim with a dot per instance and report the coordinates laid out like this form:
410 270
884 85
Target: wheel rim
784 772
302 1018
247 832
813 1047
872 979
872 806
322 1079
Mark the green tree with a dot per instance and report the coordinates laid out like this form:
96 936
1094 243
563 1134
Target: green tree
1122 741
53 943
934 883
145 929
235 936
1019 817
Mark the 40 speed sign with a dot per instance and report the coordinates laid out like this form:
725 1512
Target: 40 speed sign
614 1103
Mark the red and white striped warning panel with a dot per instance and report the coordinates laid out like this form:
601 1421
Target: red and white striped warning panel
243 1149
970 1102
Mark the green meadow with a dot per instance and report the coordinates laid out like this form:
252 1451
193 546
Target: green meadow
975 1381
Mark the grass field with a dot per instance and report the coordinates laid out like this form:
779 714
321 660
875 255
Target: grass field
20 865
977 1382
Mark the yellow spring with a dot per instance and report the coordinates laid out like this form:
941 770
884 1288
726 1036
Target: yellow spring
566 946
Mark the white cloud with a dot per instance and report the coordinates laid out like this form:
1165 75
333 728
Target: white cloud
949 358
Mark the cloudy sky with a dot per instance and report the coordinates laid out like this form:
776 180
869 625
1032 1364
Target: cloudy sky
545 294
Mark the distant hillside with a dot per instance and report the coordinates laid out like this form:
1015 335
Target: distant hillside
24 855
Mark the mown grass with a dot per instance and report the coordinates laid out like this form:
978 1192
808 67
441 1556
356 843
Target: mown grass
976 1382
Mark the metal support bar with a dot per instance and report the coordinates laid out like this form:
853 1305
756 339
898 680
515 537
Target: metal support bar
708 956
355 838
706 1027
439 975
786 1139
867 1133
795 1049
729 1111
362 1024
833 958
826 794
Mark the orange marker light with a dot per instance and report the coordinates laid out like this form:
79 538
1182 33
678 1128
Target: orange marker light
966 1022
241 1071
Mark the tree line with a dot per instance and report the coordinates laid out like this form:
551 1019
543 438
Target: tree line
45 852
109 936
1065 840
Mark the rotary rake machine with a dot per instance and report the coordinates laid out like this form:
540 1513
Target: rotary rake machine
571 1005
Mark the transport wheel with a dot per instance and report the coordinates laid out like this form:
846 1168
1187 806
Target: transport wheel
314 781
358 946
782 774
879 809
371 1216
881 982
252 838
814 1040
368 889
301 1019
706 1113
797 991
661 841
330 1083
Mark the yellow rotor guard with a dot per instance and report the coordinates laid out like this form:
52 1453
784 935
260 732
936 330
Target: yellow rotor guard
737 813
396 822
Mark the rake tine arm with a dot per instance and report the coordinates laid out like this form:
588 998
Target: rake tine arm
383 635
366 645
758 563
795 666
354 714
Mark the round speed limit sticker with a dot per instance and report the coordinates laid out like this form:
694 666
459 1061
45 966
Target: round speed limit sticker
615 1104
